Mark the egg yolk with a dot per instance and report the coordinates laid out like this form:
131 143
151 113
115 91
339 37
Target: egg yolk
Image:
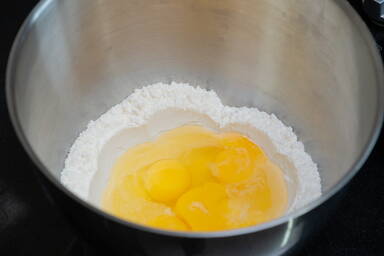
203 208
232 165
194 179
166 180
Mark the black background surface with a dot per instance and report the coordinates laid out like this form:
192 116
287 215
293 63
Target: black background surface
31 225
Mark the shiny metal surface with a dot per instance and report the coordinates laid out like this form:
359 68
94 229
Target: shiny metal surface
313 64
375 9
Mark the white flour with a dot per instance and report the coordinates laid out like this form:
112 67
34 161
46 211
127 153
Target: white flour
159 107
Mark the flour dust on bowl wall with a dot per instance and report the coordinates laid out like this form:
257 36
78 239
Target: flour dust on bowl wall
173 156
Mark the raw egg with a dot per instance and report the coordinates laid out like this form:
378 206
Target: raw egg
194 179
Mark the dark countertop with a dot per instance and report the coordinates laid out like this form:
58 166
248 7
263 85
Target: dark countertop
31 225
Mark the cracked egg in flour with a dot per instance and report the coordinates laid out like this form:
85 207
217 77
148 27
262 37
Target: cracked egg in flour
174 157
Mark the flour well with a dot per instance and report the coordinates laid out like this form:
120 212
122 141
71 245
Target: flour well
160 107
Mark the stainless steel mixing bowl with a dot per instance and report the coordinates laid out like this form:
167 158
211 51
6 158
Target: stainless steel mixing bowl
313 63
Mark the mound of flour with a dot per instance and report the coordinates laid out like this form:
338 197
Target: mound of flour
278 140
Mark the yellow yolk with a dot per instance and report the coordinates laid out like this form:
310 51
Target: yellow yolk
204 208
233 165
193 179
166 180
171 222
